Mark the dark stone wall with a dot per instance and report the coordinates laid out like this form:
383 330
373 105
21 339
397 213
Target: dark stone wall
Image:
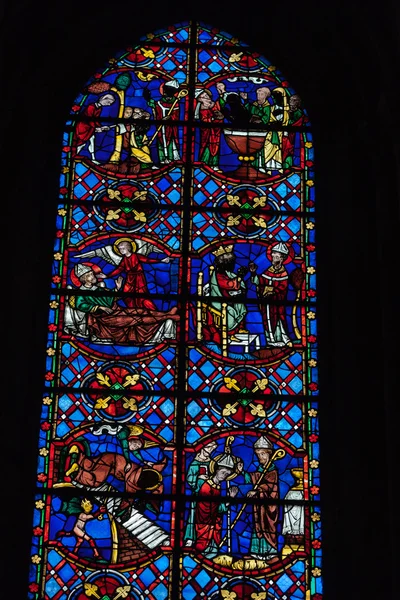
343 59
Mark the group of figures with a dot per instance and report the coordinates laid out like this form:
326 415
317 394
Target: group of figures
132 318
129 147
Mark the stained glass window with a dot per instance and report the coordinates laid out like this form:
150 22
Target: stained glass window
178 448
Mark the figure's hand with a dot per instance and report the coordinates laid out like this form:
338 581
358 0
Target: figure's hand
244 95
128 467
251 494
101 276
118 283
252 267
105 128
98 129
202 476
268 290
166 259
218 115
255 119
106 309
232 492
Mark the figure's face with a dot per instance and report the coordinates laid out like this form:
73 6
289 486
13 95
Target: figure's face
209 448
128 110
240 466
277 258
205 100
221 88
135 444
262 94
125 248
137 113
223 473
294 102
263 455
89 278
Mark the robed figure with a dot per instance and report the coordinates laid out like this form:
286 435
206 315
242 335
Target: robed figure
167 108
264 537
109 323
209 515
86 129
131 266
272 285
207 111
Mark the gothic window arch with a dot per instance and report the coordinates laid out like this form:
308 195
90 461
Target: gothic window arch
178 452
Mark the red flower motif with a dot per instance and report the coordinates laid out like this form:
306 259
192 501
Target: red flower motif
311 293
45 426
215 30
52 327
171 28
41 477
66 148
313 387
37 531
310 204
63 190
316 597
316 544
98 76
33 587
284 84
76 107
313 438
310 247
60 234
56 279
49 376
312 339
309 163
314 490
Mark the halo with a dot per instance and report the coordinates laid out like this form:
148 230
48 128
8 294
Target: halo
286 260
95 268
213 465
124 239
152 473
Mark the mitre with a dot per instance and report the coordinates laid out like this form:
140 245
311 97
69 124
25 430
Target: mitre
282 248
172 83
81 270
227 461
263 443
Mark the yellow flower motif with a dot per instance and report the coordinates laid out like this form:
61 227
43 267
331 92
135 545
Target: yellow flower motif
310 225
53 304
36 559
308 144
62 212
39 504
271 68
150 36
58 256
314 464
47 400
234 40
112 61
312 412
311 315
312 363
315 517
309 182
50 351
43 452
311 270
65 170
316 572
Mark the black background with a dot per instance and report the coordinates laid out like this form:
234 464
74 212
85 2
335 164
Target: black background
343 59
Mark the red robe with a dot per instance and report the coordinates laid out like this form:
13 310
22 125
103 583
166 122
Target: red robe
208 519
279 281
135 282
209 138
291 139
266 515
85 129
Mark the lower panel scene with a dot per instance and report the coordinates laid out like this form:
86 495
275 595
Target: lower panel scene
101 547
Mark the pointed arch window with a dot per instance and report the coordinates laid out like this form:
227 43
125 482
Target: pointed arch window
178 448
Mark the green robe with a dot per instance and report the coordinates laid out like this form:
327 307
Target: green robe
192 477
263 112
235 312
89 304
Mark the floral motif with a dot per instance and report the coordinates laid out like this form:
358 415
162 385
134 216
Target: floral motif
314 464
312 412
316 544
53 304
56 279
36 559
47 400
49 376
52 327
316 573
39 504
58 256
50 351
62 212
43 452
312 363
33 587
313 386
45 426
309 182
311 270
311 315
310 225
41 477
37 531
313 438
314 490
315 517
